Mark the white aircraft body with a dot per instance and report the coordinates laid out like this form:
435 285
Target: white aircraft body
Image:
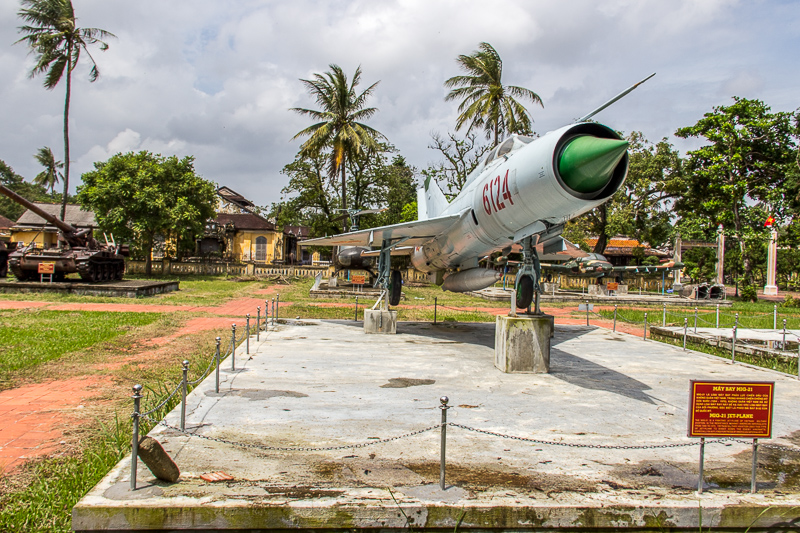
521 193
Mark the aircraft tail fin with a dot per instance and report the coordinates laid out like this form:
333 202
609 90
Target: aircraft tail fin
431 201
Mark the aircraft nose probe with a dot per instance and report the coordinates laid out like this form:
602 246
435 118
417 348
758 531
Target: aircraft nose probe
587 163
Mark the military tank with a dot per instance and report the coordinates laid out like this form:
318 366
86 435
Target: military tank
78 252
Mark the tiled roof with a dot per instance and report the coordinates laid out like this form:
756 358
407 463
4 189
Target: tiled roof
74 216
5 222
245 221
301 232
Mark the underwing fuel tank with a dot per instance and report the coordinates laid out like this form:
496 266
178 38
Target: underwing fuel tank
473 279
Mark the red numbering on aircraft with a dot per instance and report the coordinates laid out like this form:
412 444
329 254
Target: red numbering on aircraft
494 192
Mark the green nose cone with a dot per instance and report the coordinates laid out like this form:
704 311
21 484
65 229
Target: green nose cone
587 163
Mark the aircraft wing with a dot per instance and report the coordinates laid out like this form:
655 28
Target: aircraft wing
558 268
399 250
417 233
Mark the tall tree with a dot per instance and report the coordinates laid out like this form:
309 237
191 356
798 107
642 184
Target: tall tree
30 191
739 177
139 196
461 156
53 37
50 175
485 102
339 128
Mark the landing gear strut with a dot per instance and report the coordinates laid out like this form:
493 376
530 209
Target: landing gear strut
391 281
528 276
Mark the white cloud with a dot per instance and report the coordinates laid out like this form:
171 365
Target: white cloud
216 79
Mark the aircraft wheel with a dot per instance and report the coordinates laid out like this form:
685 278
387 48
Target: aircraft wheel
525 292
395 287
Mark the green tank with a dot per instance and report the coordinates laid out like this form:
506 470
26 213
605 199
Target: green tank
79 252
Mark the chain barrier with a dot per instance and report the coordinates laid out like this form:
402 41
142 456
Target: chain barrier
205 374
164 402
292 448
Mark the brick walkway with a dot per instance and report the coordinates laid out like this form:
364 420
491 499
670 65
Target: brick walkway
32 418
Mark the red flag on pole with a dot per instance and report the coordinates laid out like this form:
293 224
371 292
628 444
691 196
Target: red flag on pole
769 222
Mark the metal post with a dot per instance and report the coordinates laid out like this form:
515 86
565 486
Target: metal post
435 307
273 311
717 316
685 328
137 395
266 315
702 461
755 465
736 321
444 408
774 317
695 320
664 317
216 358
277 306
247 337
615 317
733 346
645 327
184 384
233 346
355 316
783 347
258 322
587 312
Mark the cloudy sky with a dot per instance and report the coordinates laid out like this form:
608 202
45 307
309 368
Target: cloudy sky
215 79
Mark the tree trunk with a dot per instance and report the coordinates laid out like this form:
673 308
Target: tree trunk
344 198
602 237
148 257
66 131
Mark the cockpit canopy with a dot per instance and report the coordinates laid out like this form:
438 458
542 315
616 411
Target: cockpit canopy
505 148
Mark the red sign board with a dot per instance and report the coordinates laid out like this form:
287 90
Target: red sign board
612 286
359 279
47 267
731 409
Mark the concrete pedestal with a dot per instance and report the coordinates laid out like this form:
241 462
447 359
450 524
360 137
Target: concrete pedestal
379 321
770 290
596 290
549 287
522 344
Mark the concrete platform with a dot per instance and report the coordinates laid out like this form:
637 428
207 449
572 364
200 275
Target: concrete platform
498 294
311 406
134 288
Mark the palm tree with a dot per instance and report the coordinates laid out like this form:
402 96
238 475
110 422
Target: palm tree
55 40
486 102
339 127
50 175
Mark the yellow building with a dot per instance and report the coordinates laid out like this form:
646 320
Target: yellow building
32 228
239 233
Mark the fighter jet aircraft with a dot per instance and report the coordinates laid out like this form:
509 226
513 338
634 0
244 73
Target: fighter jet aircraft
597 266
523 192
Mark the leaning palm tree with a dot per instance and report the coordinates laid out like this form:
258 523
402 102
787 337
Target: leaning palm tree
55 40
485 102
50 175
339 128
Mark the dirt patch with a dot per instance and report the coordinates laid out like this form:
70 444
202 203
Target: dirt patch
403 383
482 478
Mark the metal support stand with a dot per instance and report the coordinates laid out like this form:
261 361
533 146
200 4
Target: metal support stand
277 306
587 312
685 328
258 322
137 396
645 327
702 462
184 384
247 336
755 466
444 407
233 346
216 358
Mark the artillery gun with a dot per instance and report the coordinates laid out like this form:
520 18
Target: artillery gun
80 252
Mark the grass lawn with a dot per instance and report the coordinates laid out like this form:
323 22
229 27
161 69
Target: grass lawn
40 345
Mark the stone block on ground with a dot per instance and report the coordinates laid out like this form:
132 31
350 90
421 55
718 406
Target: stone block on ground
522 344
158 460
377 321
